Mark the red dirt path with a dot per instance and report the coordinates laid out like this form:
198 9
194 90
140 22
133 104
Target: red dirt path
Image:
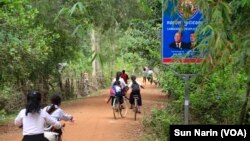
95 122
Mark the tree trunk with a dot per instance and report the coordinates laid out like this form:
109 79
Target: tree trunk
112 67
60 83
96 72
245 105
95 49
45 90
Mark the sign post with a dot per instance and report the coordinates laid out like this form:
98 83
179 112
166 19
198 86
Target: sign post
179 23
186 77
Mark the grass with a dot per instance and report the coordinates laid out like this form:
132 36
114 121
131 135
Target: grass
5 119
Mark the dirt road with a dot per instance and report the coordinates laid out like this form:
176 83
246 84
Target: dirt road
95 122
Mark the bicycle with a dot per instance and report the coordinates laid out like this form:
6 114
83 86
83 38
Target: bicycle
51 135
119 108
136 108
48 134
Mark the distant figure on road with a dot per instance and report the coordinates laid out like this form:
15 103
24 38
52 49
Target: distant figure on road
150 75
124 76
144 75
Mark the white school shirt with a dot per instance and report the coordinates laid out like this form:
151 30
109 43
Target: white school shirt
144 73
150 72
117 89
58 114
33 124
123 84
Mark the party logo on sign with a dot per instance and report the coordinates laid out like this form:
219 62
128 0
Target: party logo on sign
187 8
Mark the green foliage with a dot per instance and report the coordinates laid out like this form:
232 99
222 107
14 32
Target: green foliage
2 115
24 45
218 98
219 94
37 37
159 122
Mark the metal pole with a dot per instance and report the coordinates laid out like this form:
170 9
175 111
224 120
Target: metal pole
186 78
186 100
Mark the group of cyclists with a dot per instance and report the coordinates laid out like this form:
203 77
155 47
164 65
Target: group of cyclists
33 118
121 86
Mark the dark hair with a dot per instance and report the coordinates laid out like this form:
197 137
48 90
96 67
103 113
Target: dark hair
133 77
144 69
117 83
123 71
55 100
118 75
33 102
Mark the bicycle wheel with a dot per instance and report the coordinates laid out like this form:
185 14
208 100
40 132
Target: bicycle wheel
135 108
124 108
115 108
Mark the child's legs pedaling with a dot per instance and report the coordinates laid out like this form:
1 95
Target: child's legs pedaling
112 100
135 93
121 98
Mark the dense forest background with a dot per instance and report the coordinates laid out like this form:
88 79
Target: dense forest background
45 42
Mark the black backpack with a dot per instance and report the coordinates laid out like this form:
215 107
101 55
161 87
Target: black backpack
135 86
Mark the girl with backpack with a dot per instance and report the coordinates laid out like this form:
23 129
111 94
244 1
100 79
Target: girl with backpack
57 113
115 91
135 86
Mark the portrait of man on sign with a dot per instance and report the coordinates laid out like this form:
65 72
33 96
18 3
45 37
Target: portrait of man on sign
178 43
192 43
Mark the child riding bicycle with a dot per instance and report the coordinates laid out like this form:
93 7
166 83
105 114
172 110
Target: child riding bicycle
115 91
119 86
56 112
135 86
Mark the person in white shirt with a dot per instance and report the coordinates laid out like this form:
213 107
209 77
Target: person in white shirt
33 118
150 75
122 85
135 86
56 112
119 78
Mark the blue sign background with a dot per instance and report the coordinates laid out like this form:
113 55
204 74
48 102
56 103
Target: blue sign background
172 24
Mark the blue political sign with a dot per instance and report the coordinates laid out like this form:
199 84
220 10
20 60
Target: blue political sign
178 35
